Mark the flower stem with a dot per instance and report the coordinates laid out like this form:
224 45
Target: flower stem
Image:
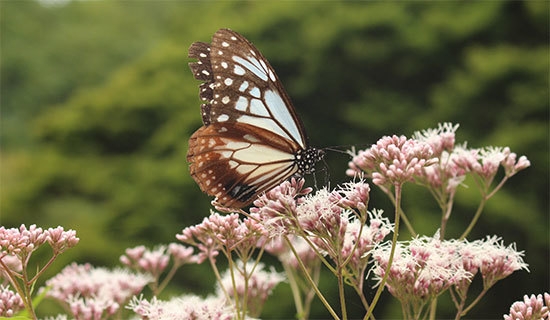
310 280
392 252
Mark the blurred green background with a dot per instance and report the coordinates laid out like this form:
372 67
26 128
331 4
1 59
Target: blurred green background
97 104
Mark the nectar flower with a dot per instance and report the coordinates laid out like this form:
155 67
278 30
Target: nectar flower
227 233
10 302
440 139
353 195
531 308
182 308
92 308
277 207
146 261
422 269
393 160
357 246
257 286
84 281
497 261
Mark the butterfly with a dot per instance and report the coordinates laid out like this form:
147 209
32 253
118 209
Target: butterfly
252 139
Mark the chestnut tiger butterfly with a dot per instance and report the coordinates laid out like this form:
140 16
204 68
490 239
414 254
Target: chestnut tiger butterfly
252 138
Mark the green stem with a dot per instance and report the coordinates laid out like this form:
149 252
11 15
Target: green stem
474 219
392 252
310 280
295 291
341 293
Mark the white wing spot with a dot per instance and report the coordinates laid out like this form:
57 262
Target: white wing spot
255 92
225 44
225 100
202 55
228 81
222 130
220 52
243 86
224 65
242 104
223 118
233 38
238 70
272 75
253 66
251 138
257 107
206 73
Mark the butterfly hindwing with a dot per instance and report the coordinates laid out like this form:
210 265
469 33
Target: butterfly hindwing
219 157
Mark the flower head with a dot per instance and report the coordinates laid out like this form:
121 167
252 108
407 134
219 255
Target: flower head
252 281
182 308
84 281
226 233
422 269
92 308
147 261
277 207
531 308
440 139
10 302
393 160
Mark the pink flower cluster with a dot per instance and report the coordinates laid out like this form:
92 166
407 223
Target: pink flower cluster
10 302
23 241
155 261
425 267
257 286
182 308
333 222
432 157
531 308
90 291
393 160
226 233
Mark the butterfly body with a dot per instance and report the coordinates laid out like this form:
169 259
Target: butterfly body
252 139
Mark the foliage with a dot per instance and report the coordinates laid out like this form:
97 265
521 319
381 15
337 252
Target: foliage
98 103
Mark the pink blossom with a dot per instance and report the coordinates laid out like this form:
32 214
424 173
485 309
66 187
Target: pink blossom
114 286
357 246
422 269
531 308
257 285
511 164
181 254
277 207
353 195
226 233
60 240
92 308
497 261
182 308
10 302
393 160
12 263
440 139
21 241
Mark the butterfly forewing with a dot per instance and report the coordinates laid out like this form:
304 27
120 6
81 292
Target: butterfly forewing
252 138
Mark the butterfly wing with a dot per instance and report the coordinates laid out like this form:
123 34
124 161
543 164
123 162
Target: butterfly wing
252 138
